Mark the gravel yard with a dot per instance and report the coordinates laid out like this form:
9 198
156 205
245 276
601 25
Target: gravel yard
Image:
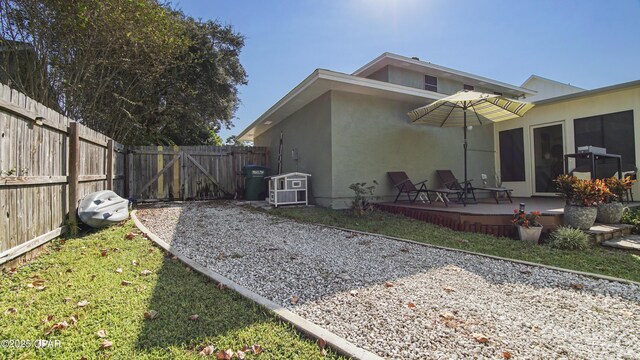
403 300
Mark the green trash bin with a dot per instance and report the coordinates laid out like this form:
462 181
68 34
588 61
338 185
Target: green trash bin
255 185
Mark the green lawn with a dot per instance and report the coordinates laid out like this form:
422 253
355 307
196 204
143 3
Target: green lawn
596 259
75 270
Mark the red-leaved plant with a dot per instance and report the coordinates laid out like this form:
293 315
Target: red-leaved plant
526 220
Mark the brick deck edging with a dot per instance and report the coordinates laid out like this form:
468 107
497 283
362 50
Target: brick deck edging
335 342
445 221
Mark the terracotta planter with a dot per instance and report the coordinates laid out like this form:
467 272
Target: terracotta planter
610 213
580 217
530 234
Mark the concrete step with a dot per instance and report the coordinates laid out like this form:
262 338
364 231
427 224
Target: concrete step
605 232
629 242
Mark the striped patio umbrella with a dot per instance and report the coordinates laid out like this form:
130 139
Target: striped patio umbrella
451 111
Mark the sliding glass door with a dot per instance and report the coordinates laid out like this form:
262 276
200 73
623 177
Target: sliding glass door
548 151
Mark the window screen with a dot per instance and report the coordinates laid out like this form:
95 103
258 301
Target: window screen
431 83
611 131
512 155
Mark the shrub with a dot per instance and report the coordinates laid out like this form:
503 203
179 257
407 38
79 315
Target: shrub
632 217
589 192
564 186
568 238
363 194
526 220
618 187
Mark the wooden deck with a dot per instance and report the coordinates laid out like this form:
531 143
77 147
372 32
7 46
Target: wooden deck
484 217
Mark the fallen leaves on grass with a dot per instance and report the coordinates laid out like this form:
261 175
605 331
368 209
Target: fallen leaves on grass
11 310
257 349
125 283
240 354
73 319
59 326
83 303
105 344
134 262
130 235
221 286
119 270
102 333
103 252
93 276
224 354
207 350
322 344
146 272
47 319
194 317
151 314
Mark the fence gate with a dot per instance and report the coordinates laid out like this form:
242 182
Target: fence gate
188 172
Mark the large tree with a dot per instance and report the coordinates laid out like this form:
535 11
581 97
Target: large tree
136 70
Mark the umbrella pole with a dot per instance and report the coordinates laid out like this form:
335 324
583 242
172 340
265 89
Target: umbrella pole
464 201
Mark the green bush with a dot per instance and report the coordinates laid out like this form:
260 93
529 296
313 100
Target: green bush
632 216
568 238
363 194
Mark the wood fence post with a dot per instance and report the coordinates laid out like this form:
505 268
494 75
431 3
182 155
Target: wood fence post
74 147
130 176
126 171
110 165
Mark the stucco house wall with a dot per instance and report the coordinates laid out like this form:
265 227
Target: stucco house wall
308 130
372 135
564 111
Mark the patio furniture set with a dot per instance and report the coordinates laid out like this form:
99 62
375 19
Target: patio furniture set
452 186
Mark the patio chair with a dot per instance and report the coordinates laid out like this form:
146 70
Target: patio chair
452 183
401 181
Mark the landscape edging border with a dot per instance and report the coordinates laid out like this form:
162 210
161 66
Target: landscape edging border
495 257
335 342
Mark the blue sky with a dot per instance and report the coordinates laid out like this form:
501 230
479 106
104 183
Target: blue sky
586 43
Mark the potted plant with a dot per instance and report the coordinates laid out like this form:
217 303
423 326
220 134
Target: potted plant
529 227
582 199
611 210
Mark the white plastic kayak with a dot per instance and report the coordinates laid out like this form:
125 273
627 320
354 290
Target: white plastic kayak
103 208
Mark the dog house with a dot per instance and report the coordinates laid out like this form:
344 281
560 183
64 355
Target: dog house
289 189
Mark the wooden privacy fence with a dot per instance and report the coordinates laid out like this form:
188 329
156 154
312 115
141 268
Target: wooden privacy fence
188 172
47 163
